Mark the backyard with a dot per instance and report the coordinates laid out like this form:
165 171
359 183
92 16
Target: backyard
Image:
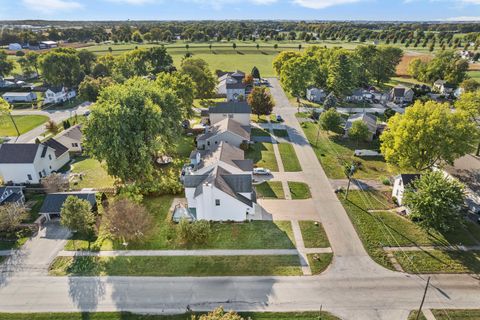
93 174
24 124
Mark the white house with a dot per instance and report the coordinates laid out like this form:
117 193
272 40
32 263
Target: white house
228 77
12 194
238 111
218 185
227 130
48 44
443 87
316 94
359 95
400 95
72 138
13 97
30 162
58 95
368 119
14 46
400 184
53 203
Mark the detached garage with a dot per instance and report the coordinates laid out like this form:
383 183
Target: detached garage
13 97
53 203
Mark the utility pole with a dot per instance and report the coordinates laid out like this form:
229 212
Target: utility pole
349 172
14 124
423 299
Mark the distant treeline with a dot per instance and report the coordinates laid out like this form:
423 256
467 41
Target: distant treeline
408 33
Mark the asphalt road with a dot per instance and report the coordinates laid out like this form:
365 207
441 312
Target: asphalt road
353 287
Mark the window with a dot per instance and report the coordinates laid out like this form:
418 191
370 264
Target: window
217 202
50 156
74 145
208 143
40 174
29 176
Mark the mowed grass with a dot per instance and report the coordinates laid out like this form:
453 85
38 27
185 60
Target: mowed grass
334 151
384 228
465 314
289 157
94 174
198 266
270 190
258 132
24 124
313 234
474 74
248 235
262 155
131 316
438 261
319 262
299 190
12 244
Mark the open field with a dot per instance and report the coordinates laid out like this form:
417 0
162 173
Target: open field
131 316
24 124
196 266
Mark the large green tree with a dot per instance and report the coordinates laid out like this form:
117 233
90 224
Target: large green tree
261 101
296 74
90 88
183 87
330 120
87 60
427 134
282 58
434 201
446 65
76 215
6 66
359 131
130 124
203 78
469 103
341 77
61 67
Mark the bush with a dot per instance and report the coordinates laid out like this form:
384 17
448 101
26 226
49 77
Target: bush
20 53
193 232
244 145
386 181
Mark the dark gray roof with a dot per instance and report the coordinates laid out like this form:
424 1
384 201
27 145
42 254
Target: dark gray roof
236 85
10 194
18 152
398 92
233 184
74 132
193 181
245 165
227 124
54 201
239 182
231 107
57 146
409 178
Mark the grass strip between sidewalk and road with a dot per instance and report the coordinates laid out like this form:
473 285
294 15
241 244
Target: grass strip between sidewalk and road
438 261
319 262
449 314
289 157
284 265
313 235
299 190
132 316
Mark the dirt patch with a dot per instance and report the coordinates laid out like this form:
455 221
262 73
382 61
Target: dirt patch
407 58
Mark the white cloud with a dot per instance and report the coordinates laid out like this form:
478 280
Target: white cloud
51 6
321 4
464 18
471 1
218 4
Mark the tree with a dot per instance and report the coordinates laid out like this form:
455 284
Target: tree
469 103
203 78
359 131
6 66
282 58
470 85
340 78
32 57
51 127
248 80
435 201
330 101
61 67
256 73
197 232
385 63
76 215
330 120
183 87
55 182
90 88
87 60
349 170
427 134
297 75
129 124
446 65
234 45
11 216
128 221
261 101
137 37
219 314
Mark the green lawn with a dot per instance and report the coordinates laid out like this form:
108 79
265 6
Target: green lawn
131 316
474 75
299 190
94 174
262 155
438 261
313 235
33 213
248 235
280 133
319 261
287 265
289 157
14 244
384 228
334 151
258 132
24 124
445 314
270 190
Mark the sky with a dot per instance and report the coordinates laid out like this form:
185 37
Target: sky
378 10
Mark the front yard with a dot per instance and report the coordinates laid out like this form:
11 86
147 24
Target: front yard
289 157
270 190
333 151
313 234
299 190
262 155
24 124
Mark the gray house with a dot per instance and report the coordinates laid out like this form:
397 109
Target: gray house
227 130
12 194
368 119
316 94
401 95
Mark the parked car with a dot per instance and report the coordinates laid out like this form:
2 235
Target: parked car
261 171
279 118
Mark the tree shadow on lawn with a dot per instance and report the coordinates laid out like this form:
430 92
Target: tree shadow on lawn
255 152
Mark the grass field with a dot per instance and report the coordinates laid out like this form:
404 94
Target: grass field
333 151
131 316
474 75
94 174
262 155
24 124
270 190
299 190
438 261
289 157
319 261
288 265
314 235
249 235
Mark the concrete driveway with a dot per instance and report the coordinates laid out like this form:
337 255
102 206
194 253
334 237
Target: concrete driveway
290 209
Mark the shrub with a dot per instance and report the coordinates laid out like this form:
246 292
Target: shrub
386 181
193 232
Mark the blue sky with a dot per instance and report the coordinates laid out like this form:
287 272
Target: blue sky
240 9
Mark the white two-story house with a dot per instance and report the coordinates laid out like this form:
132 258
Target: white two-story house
28 163
227 130
56 95
238 111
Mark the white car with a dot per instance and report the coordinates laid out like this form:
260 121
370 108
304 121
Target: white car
261 171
